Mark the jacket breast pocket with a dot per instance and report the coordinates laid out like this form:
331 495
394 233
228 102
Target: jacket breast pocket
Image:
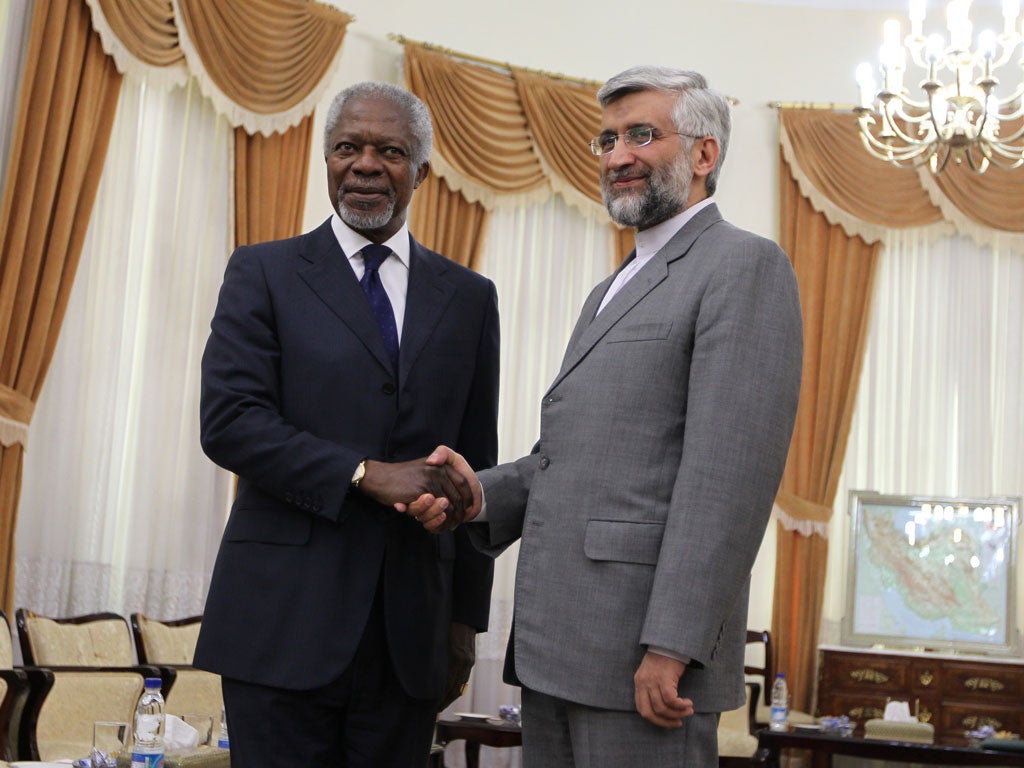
639 332
268 525
623 541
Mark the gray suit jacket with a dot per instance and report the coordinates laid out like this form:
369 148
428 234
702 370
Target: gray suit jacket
662 443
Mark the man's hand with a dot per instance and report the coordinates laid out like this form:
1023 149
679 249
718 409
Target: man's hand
657 691
461 657
430 510
400 483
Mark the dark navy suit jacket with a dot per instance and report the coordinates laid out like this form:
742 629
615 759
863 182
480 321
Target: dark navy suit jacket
296 391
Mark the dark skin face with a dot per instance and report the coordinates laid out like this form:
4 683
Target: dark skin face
370 173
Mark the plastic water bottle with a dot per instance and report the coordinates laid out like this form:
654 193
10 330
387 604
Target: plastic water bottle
780 704
148 748
222 739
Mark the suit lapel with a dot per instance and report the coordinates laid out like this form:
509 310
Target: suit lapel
587 334
426 301
330 277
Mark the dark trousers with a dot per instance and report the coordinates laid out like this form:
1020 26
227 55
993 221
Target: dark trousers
364 719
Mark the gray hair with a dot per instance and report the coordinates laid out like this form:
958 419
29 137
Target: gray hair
419 117
699 110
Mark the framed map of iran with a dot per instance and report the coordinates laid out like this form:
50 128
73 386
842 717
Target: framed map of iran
932 573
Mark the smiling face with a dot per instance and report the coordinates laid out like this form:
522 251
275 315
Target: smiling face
644 186
370 173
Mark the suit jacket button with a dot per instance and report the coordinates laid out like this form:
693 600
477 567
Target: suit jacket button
544 462
388 388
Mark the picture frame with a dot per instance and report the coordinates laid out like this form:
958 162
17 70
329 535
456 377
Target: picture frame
932 573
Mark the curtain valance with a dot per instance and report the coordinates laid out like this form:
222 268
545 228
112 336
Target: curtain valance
505 137
867 196
263 63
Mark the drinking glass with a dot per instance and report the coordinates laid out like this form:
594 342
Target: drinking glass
202 723
109 741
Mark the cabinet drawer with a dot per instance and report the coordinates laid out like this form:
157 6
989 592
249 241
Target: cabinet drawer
857 707
957 718
983 683
853 672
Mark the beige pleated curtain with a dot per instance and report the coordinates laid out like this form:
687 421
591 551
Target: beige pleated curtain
503 137
265 57
829 187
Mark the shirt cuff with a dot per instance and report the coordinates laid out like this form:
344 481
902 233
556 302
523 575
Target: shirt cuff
670 654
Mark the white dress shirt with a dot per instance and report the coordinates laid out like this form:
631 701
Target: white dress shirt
394 272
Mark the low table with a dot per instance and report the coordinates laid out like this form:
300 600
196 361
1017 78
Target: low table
491 733
770 744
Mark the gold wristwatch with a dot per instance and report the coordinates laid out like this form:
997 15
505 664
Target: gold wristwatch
357 476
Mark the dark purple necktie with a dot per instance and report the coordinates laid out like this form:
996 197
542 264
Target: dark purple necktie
373 257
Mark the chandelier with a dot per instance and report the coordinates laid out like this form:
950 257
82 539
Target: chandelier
962 116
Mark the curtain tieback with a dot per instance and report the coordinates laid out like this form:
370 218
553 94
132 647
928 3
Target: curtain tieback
15 414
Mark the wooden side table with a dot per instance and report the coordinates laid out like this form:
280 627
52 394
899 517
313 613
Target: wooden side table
492 733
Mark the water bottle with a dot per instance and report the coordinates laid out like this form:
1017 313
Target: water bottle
780 704
222 739
148 747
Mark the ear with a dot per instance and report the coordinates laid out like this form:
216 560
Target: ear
421 173
704 156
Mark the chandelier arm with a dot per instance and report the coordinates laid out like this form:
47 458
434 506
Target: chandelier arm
893 126
888 153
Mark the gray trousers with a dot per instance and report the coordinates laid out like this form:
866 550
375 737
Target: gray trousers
562 734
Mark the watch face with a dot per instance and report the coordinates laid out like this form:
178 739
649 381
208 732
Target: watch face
358 475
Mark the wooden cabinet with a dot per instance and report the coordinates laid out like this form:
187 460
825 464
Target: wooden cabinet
953 693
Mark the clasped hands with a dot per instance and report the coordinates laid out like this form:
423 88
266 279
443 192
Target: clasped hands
440 491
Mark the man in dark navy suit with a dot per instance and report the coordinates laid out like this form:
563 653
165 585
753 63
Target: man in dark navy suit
339 626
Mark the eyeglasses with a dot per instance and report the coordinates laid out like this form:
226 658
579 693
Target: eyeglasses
640 136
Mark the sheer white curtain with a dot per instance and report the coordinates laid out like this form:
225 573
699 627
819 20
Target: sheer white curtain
544 260
120 510
940 409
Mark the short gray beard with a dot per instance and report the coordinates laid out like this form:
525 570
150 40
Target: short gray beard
665 195
360 221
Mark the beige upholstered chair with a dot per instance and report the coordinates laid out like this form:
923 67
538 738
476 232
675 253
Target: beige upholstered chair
92 640
893 730
736 742
80 671
171 645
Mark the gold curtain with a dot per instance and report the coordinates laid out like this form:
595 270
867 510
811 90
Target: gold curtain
480 129
447 222
146 28
270 183
504 137
834 273
66 110
563 117
830 157
265 55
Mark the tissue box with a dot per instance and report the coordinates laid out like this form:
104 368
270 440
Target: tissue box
202 757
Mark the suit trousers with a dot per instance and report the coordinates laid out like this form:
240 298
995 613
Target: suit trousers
562 734
364 719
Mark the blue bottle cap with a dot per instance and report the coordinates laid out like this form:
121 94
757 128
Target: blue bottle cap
153 682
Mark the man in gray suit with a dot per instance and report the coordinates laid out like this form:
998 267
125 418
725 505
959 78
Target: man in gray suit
662 443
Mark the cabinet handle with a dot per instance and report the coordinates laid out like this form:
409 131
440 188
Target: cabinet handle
983 684
973 722
924 716
869 676
926 678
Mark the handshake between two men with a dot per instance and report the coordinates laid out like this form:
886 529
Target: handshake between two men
440 491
